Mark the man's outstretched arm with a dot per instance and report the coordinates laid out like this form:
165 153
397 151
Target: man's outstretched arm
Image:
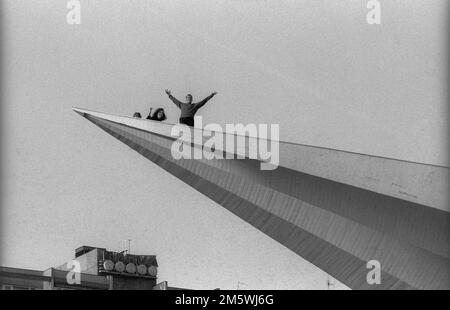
174 100
202 103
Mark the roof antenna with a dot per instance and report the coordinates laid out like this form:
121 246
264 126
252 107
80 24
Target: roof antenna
127 251
129 246
330 283
238 284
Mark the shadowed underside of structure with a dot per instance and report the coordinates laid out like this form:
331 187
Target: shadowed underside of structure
336 209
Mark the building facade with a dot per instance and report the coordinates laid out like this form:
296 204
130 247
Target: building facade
92 268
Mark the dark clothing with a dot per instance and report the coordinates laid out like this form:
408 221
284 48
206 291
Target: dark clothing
188 109
153 118
187 121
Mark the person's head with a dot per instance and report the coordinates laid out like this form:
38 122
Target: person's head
137 115
159 114
189 98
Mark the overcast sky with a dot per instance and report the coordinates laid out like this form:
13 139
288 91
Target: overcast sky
315 67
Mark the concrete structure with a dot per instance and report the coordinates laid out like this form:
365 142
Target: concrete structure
99 269
22 279
336 209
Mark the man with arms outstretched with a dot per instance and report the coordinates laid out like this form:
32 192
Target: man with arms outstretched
188 109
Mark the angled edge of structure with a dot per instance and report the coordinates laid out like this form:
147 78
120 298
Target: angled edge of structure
336 209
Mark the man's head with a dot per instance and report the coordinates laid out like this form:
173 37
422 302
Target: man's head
189 98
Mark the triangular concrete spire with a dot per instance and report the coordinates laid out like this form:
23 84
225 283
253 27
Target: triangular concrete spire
338 210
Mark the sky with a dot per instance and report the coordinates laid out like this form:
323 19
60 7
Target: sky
315 67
